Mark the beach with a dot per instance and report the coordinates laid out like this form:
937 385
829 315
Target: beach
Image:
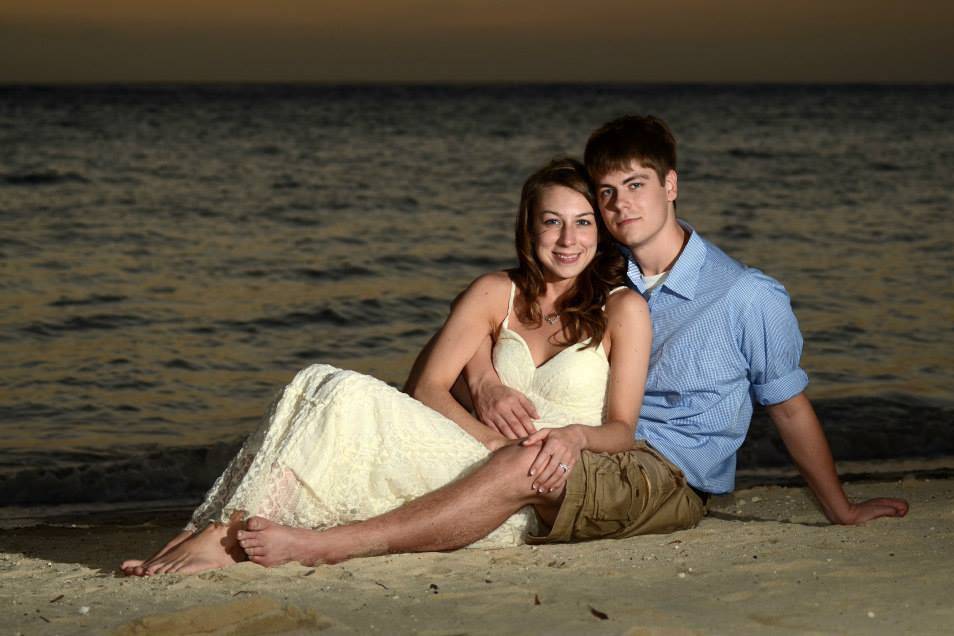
174 254
763 561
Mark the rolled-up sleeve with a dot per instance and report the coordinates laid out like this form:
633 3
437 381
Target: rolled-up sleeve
772 343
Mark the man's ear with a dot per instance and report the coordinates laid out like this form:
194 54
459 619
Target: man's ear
671 185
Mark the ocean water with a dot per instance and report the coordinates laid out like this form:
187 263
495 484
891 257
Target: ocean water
171 255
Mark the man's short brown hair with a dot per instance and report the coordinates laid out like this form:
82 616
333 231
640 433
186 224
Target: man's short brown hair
618 144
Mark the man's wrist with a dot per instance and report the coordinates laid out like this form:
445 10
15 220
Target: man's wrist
481 383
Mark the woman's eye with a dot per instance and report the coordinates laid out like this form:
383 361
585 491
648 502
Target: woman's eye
584 222
551 222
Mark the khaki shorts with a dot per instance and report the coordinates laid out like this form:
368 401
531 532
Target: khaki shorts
624 495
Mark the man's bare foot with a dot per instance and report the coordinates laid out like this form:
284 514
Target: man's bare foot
129 565
214 547
268 543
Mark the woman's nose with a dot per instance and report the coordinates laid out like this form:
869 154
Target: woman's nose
568 235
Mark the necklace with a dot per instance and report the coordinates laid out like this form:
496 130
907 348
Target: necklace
551 318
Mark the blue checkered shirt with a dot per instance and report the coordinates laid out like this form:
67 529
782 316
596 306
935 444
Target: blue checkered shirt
723 335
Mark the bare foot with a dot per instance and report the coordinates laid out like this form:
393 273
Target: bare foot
129 565
268 543
215 547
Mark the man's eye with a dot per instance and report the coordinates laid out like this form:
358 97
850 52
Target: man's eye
635 186
605 194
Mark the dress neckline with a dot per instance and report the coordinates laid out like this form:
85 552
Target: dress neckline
537 367
505 326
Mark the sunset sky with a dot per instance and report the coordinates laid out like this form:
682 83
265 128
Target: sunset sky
471 40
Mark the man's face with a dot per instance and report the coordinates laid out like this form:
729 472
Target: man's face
634 205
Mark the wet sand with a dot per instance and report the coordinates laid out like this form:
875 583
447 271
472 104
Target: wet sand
763 561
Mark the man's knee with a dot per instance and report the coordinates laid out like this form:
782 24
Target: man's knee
511 466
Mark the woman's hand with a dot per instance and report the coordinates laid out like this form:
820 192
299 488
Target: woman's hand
559 452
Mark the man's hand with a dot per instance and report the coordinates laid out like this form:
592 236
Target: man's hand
497 443
806 443
872 509
559 452
505 410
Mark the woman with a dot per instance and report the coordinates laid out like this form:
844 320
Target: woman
339 446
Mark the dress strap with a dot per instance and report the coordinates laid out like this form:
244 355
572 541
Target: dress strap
513 291
613 291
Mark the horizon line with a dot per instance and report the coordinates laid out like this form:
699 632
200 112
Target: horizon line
462 83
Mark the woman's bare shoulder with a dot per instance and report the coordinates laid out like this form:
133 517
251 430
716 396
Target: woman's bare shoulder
627 307
625 299
491 291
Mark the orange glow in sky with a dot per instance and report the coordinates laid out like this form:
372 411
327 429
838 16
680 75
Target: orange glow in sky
470 40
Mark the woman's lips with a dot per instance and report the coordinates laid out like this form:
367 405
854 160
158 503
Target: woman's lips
566 259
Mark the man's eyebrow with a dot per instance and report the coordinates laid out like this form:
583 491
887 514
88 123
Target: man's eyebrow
635 176
640 174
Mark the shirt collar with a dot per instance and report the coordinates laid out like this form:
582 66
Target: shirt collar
684 275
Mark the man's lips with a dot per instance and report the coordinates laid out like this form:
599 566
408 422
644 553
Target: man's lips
628 221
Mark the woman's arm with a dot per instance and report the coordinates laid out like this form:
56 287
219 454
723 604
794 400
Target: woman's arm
471 320
630 334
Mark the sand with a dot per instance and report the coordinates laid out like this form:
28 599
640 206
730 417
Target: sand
763 561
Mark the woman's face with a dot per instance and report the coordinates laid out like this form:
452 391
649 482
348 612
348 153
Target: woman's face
564 233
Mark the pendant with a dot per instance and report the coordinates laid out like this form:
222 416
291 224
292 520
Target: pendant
551 318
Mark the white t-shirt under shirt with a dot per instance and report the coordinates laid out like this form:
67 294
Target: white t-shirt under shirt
652 282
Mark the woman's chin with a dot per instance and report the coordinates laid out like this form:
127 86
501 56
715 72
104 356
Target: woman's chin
563 274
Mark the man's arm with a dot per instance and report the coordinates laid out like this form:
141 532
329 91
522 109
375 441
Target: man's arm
500 407
806 443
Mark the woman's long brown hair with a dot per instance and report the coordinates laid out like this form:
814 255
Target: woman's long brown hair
581 306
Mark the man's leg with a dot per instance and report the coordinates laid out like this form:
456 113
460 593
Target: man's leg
448 518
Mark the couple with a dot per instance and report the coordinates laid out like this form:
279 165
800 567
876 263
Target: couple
594 422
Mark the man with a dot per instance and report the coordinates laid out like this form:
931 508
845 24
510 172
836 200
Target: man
724 334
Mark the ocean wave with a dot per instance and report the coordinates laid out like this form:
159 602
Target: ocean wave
861 428
41 178
94 299
334 273
85 323
160 474
353 313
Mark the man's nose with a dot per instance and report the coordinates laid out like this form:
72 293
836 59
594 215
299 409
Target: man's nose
620 202
613 203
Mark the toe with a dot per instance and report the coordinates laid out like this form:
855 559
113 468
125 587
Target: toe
257 523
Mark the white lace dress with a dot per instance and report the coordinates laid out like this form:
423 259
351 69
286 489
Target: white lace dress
339 446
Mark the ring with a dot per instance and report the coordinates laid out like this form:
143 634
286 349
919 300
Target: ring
565 468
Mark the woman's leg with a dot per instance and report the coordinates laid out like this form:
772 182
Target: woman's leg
129 565
214 547
220 495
